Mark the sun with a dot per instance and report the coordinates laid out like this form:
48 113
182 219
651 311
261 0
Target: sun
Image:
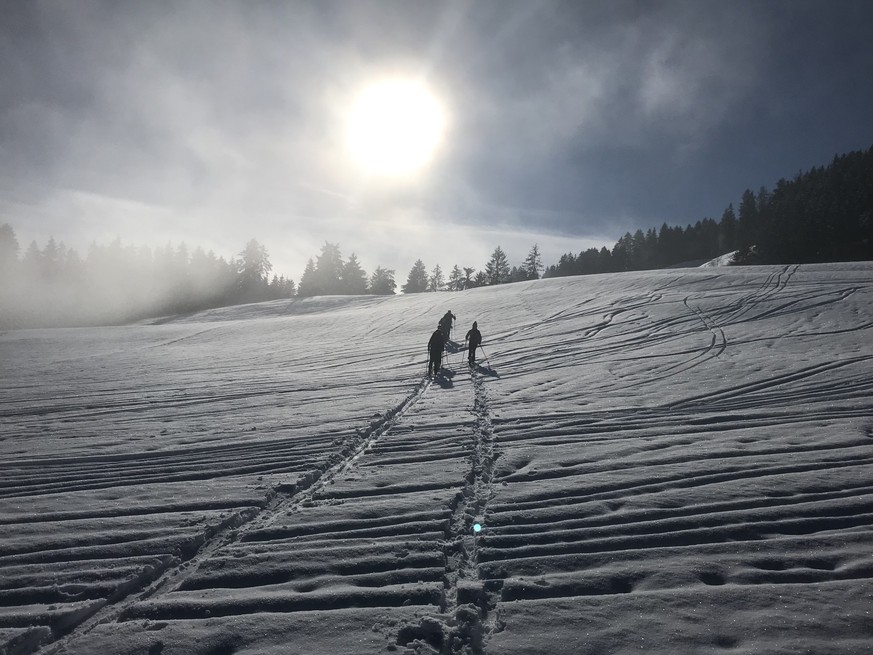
395 127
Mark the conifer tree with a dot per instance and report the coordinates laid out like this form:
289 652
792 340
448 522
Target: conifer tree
254 267
748 220
456 279
436 282
497 269
533 264
727 231
51 260
308 284
32 261
468 277
354 279
8 248
417 280
329 270
382 282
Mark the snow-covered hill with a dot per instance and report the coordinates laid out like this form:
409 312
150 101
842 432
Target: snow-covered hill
661 462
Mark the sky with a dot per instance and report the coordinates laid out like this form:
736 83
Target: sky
565 124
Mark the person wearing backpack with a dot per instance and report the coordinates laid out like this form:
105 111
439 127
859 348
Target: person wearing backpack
446 324
435 351
474 338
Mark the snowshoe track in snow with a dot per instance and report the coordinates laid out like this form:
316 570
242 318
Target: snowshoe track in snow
244 525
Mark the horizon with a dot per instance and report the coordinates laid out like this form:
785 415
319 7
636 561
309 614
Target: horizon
400 276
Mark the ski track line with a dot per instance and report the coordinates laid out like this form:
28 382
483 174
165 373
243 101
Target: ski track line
572 516
230 531
775 283
676 481
473 508
742 390
469 604
538 322
487 455
730 542
73 410
616 426
186 337
745 303
717 345
369 437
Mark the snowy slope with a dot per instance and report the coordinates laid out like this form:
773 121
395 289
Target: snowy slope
723 260
662 462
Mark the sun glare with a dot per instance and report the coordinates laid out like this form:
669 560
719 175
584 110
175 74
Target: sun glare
395 127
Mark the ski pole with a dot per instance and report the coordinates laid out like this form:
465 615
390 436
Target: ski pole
486 356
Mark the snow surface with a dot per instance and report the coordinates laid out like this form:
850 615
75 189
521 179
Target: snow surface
723 260
662 462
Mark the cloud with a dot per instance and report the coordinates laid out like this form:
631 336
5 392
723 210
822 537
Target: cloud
214 124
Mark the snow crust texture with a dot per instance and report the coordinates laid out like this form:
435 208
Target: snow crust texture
660 462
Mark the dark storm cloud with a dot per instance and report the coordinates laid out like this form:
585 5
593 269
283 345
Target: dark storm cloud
214 122
661 111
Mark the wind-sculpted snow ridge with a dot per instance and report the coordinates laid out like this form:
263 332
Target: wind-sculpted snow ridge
663 462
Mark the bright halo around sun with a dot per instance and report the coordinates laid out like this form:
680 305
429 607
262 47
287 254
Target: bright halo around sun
395 127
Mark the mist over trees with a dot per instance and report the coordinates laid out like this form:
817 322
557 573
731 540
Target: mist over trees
417 280
119 283
823 215
382 282
329 274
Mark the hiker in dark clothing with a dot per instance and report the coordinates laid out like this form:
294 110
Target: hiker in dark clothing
474 337
435 349
446 324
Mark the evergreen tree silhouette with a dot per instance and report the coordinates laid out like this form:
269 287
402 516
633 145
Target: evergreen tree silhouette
436 282
497 269
533 264
456 279
8 248
353 277
382 282
308 283
417 280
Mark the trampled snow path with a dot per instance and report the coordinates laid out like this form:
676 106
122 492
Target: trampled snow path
674 461
282 499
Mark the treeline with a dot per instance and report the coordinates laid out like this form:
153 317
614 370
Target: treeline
120 283
640 251
496 271
823 215
329 274
117 283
